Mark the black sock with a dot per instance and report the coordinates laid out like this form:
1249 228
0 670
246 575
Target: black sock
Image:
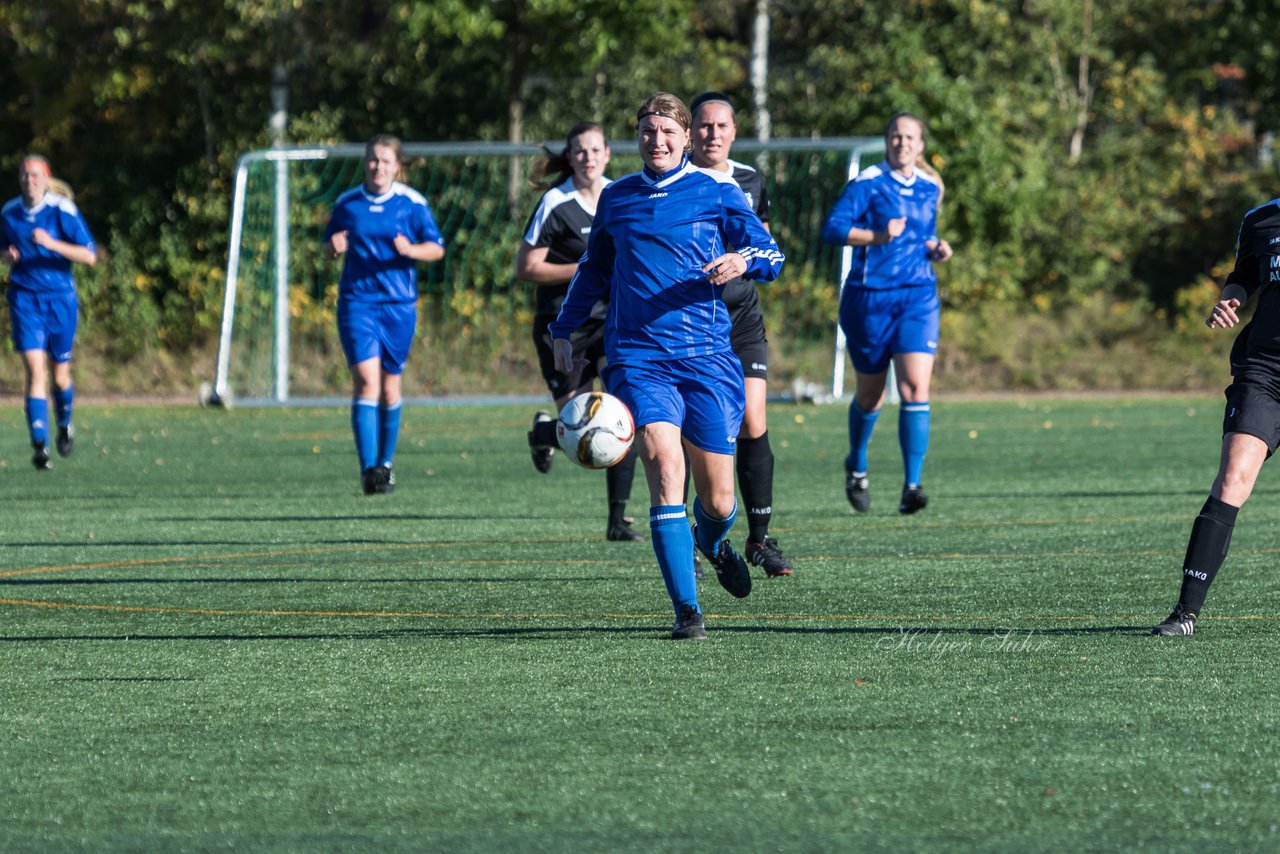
544 433
618 480
755 479
1206 550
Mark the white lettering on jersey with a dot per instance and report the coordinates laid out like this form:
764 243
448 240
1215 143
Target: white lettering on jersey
586 229
658 196
375 209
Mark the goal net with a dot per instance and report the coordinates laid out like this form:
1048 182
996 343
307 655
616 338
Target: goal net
279 341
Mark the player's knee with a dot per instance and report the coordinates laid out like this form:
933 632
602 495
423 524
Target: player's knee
720 503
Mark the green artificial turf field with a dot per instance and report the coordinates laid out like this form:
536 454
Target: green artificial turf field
211 640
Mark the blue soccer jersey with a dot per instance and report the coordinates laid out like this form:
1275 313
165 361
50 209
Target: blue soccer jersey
869 201
38 269
651 237
374 271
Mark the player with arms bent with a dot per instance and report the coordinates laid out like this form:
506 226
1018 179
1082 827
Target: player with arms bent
1251 427
889 307
554 240
41 234
384 228
714 131
658 249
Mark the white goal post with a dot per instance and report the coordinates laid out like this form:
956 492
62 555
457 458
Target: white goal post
277 343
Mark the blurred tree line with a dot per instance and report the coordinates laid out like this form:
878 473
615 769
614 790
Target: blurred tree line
1097 155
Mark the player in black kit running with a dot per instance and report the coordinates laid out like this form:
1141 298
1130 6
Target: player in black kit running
714 131
1251 428
554 240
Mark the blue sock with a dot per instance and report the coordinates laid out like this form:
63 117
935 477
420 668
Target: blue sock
37 409
388 432
673 544
913 435
711 531
63 398
860 426
364 426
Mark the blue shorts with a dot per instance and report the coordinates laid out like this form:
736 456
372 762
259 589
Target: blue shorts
881 323
381 329
703 396
43 321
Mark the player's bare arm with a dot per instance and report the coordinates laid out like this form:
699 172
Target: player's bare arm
1224 313
70 251
426 252
337 244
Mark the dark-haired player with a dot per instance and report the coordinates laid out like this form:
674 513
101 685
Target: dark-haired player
554 240
1251 426
714 131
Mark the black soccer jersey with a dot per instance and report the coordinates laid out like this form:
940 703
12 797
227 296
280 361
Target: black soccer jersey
562 225
1255 356
741 293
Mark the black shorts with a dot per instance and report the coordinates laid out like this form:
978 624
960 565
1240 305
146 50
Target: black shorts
1255 410
750 344
588 343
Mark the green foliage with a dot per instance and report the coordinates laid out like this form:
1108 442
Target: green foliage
1088 147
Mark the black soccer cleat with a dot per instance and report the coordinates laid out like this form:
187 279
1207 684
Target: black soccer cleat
731 570
66 440
542 454
768 555
913 499
689 625
371 479
41 459
855 489
1181 622
386 480
622 532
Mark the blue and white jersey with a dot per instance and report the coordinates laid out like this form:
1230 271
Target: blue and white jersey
651 237
869 201
374 271
39 269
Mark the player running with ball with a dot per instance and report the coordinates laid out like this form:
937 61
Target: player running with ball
658 249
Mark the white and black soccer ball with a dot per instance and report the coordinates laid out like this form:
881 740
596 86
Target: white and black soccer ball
596 430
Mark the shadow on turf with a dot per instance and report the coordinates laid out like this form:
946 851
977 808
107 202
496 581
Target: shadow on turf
556 633
511 579
353 517
308 543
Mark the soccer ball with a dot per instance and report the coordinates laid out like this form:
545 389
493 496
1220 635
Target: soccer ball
595 430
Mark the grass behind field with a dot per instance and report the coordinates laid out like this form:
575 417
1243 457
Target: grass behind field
211 640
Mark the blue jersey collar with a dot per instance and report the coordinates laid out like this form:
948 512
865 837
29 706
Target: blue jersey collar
384 198
898 176
667 177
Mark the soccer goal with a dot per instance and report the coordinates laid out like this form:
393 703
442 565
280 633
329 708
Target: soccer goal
278 341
